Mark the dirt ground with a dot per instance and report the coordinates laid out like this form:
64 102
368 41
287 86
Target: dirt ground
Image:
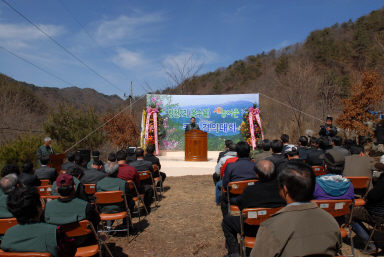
186 223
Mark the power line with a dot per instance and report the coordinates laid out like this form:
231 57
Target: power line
83 27
61 46
36 66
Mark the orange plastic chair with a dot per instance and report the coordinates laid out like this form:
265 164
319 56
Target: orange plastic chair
113 197
359 183
5 224
336 208
45 182
318 170
147 175
45 190
90 189
237 188
139 198
23 254
253 217
83 228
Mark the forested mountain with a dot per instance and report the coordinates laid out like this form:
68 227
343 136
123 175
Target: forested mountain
311 76
25 106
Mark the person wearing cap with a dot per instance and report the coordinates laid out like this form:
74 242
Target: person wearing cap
328 130
95 158
76 172
67 208
333 186
30 234
94 174
45 150
112 183
45 172
267 188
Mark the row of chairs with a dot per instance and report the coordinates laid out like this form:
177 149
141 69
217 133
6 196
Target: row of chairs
85 227
254 216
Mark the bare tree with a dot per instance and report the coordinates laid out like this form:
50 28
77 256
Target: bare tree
300 84
179 70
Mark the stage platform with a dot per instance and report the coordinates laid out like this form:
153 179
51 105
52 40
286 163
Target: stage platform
173 164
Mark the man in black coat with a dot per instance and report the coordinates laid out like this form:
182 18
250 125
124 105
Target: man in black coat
277 157
154 160
242 169
192 125
94 174
328 130
45 172
27 176
264 193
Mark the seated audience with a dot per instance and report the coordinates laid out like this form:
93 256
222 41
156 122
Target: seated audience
251 198
76 172
313 158
9 169
95 158
303 147
372 213
131 155
7 184
292 230
242 169
266 147
94 174
277 156
27 176
230 154
293 155
154 160
358 164
30 234
286 145
70 164
333 186
337 142
45 172
127 172
140 164
68 208
227 143
112 183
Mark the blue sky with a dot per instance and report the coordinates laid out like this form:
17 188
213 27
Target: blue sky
139 40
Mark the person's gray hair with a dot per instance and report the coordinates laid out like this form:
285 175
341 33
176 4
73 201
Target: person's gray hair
111 168
47 139
8 183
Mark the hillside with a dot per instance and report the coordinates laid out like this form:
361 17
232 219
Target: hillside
24 106
312 76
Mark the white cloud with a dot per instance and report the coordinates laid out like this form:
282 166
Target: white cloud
127 28
128 59
197 56
18 35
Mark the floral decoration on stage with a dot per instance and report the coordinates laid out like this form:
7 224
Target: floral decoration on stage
154 125
251 128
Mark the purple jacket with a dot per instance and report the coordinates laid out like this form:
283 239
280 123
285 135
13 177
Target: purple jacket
320 194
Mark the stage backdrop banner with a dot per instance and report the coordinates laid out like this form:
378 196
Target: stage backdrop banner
219 115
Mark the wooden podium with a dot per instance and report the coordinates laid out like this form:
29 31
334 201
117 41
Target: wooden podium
56 160
196 146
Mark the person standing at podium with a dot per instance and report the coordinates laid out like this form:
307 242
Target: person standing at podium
192 125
